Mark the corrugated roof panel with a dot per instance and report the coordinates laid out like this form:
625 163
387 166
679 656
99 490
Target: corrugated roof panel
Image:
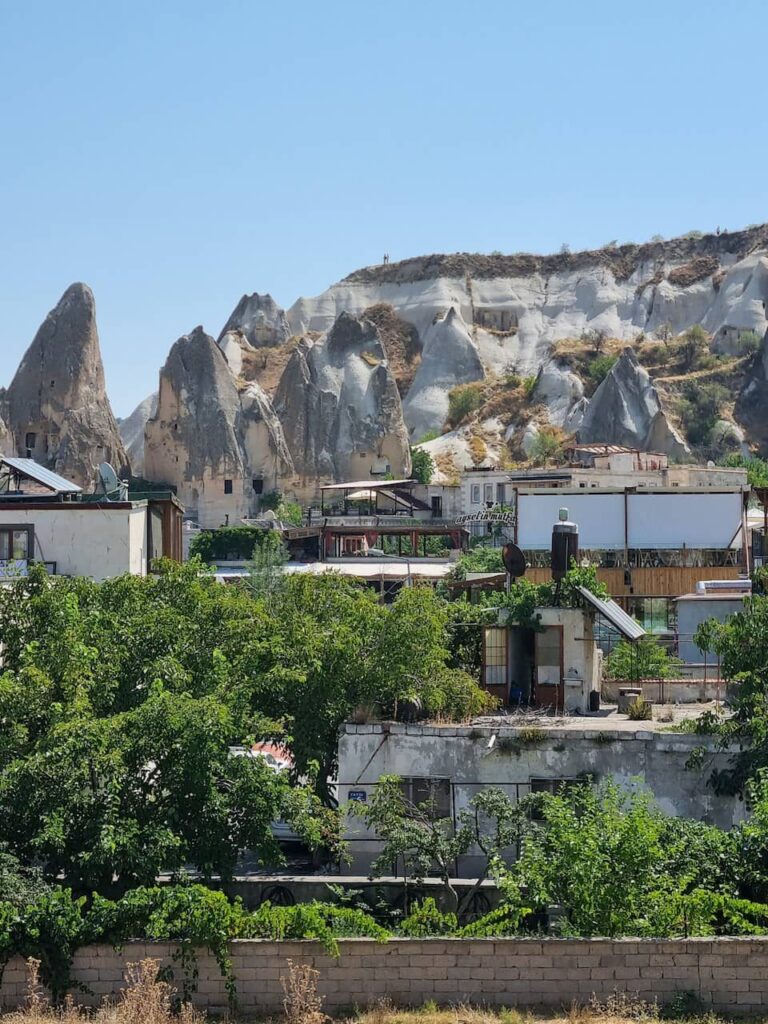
33 470
626 625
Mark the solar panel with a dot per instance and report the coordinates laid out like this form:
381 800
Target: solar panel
34 471
626 625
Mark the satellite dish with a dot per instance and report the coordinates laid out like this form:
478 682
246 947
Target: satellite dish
108 477
514 560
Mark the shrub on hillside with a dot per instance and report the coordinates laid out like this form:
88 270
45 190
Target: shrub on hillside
464 400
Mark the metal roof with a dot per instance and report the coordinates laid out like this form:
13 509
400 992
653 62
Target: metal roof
357 485
34 471
626 625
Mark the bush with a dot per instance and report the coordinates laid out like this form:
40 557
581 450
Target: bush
645 659
749 342
599 369
422 465
529 384
547 446
228 543
700 408
462 401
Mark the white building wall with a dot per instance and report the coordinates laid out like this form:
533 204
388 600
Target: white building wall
86 540
708 520
600 517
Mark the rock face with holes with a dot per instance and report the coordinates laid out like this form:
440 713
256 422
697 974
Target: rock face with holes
626 409
56 407
218 446
340 409
194 440
514 308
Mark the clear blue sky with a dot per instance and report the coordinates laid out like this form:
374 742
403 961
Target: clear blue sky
174 154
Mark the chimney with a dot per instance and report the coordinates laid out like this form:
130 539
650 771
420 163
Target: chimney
565 545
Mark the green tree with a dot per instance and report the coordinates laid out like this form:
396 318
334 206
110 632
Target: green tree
547 446
599 369
618 866
646 658
423 465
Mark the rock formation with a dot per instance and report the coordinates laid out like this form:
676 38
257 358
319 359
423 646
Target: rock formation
449 357
626 410
340 408
194 439
56 407
260 321
132 432
219 448
752 403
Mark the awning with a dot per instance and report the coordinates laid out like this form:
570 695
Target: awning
626 625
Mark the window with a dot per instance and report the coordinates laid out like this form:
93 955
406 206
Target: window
15 544
227 486
437 506
432 795
258 485
475 494
489 493
556 787
500 496
495 656
30 441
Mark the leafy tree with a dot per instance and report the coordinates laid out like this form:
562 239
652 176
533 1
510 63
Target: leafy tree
599 369
463 400
423 465
757 469
692 346
422 842
644 659
547 446
290 512
700 409
618 866
227 543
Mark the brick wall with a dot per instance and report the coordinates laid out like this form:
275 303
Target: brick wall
727 974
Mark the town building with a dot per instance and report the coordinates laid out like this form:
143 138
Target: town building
45 518
449 765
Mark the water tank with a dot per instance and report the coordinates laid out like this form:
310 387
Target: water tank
565 545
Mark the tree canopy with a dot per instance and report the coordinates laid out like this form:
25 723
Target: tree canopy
124 704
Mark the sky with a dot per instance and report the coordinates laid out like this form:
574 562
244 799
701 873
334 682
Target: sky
175 154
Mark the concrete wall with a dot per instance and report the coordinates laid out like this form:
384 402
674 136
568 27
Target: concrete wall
86 540
729 974
462 755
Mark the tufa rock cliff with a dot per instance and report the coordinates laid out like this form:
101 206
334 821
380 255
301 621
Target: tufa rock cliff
626 409
218 447
132 432
259 320
340 407
56 406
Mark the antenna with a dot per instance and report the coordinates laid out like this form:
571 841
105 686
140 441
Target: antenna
109 480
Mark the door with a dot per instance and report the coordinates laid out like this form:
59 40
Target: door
549 691
437 506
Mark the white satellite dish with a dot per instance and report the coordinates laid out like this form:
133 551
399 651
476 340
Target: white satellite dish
108 477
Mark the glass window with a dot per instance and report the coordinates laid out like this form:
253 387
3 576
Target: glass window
430 795
495 655
5 545
475 494
489 492
20 545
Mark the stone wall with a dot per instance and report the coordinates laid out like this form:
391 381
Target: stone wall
729 974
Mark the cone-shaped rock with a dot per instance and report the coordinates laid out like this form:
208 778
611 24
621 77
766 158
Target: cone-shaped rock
340 408
57 407
626 410
260 321
132 432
